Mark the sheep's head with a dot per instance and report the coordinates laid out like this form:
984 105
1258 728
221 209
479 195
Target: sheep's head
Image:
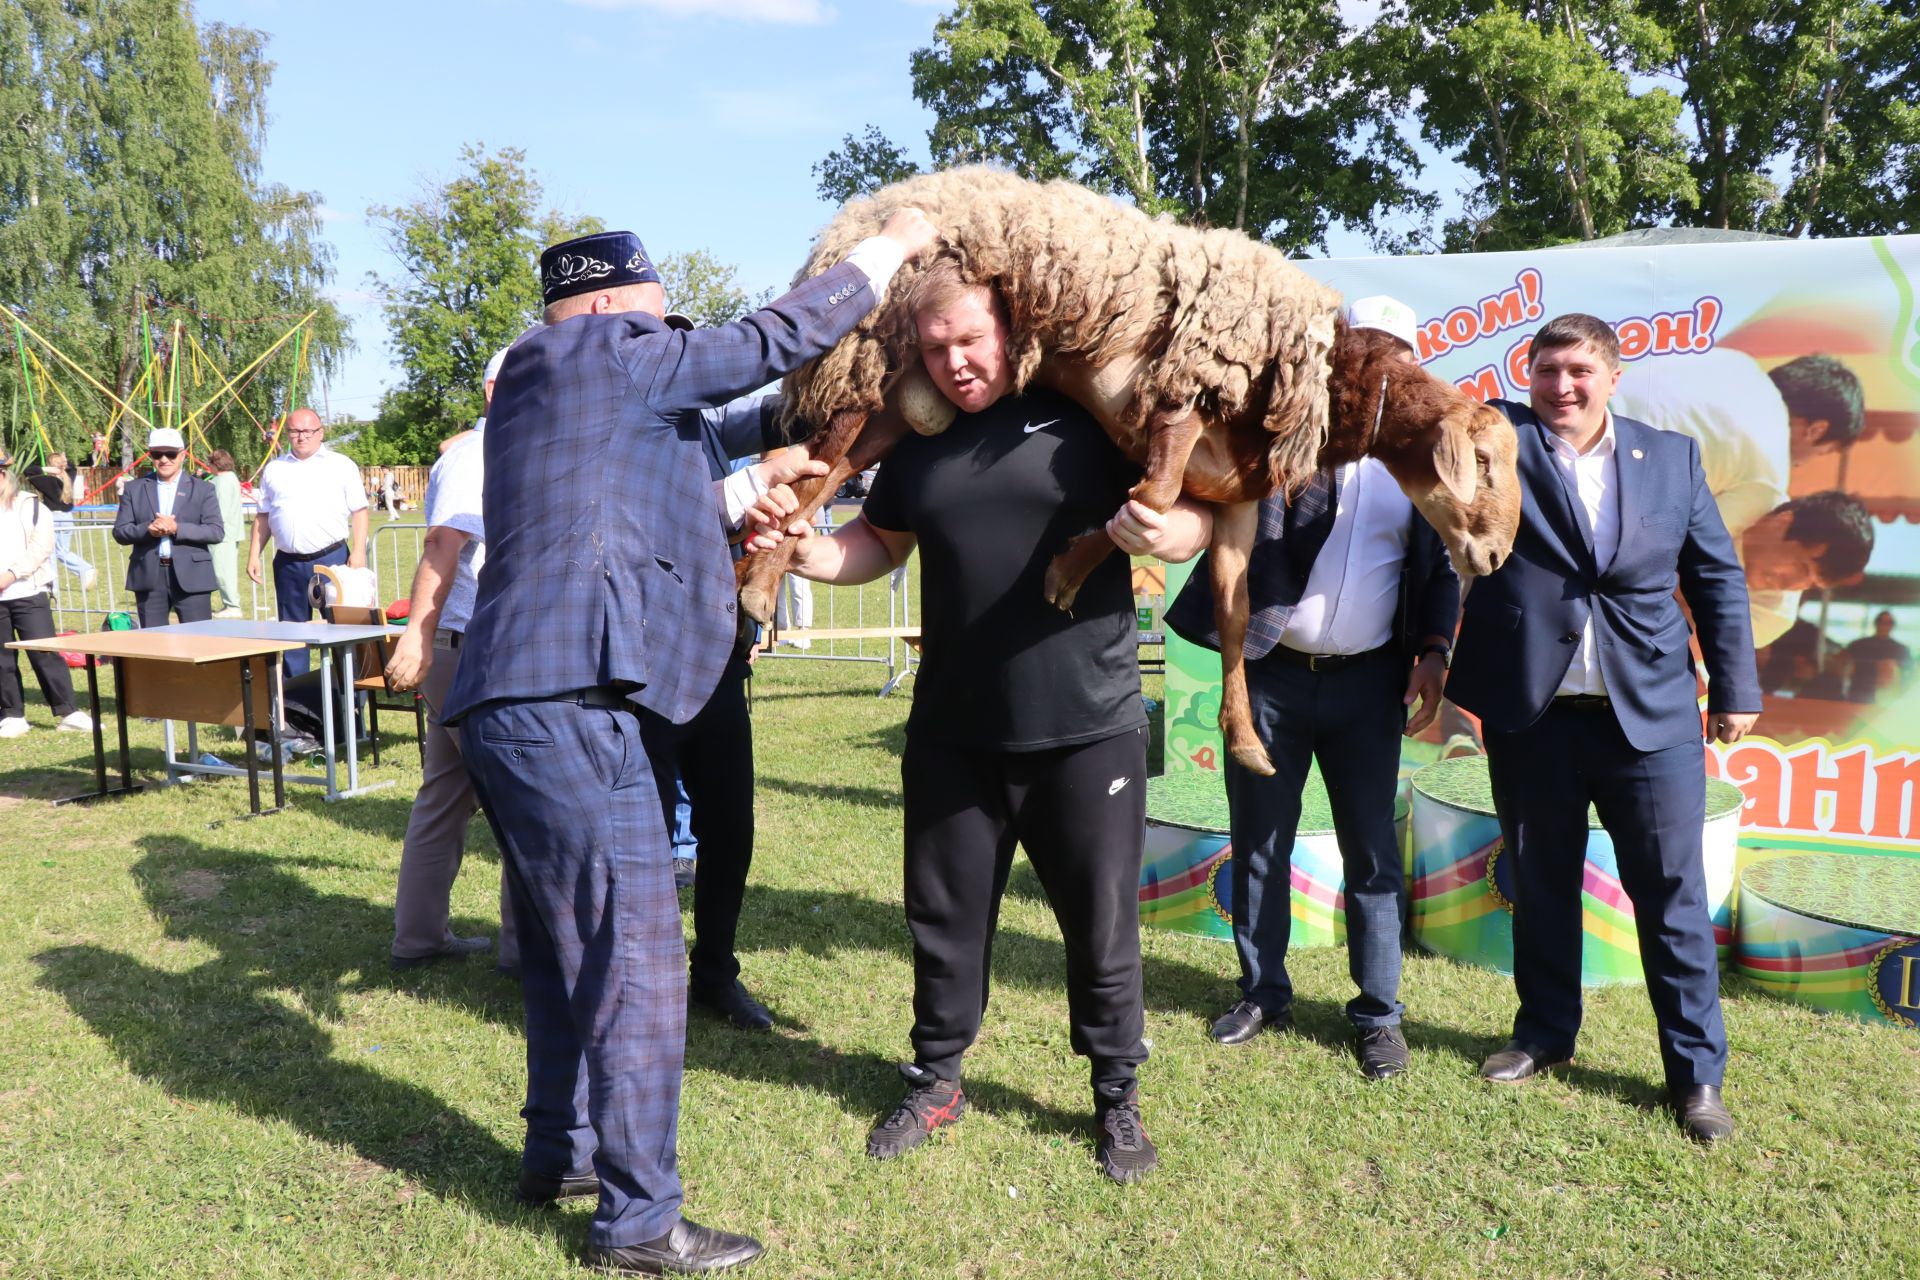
1454 458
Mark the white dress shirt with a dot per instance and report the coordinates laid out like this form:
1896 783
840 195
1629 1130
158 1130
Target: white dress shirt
309 503
1353 588
165 492
1593 480
454 490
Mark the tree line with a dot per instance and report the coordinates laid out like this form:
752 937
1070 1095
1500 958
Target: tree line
1282 118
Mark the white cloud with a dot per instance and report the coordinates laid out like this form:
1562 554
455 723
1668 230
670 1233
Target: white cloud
328 214
795 13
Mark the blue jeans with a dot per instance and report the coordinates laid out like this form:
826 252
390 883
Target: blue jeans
1350 720
291 574
63 551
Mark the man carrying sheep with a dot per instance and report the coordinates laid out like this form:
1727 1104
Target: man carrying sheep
1026 724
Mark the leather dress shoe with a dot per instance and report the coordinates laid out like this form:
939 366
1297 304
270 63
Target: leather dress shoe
1382 1052
1701 1113
733 1003
1246 1020
541 1188
450 951
688 1249
1515 1062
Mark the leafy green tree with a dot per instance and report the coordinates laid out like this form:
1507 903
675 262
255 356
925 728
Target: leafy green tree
130 183
707 290
1536 102
1264 115
469 252
861 166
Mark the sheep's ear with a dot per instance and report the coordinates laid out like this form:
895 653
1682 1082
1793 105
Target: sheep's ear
1454 463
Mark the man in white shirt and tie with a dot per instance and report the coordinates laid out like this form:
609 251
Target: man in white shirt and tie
1574 654
314 507
1353 604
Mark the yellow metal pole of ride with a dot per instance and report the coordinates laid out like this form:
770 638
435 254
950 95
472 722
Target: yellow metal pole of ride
257 361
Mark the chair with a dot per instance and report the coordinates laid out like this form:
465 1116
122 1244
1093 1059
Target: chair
370 675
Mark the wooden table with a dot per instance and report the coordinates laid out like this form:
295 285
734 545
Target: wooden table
199 679
324 636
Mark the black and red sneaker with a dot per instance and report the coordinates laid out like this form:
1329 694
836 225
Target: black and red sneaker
931 1104
1125 1152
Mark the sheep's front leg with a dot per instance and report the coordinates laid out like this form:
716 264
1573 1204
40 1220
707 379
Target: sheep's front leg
759 574
1234 527
1170 440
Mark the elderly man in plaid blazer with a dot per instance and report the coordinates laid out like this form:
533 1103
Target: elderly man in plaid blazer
605 616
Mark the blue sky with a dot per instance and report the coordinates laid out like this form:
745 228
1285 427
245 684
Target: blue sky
692 122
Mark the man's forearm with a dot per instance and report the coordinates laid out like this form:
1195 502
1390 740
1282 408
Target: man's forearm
357 546
262 530
854 554
433 577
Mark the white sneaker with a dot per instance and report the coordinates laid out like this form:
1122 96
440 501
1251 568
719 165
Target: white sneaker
231 611
14 726
88 578
77 722
798 642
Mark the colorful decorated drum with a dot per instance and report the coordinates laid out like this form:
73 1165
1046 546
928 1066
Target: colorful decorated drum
1836 931
1186 883
1462 886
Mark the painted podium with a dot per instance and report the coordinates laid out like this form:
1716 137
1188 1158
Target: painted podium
1839 932
1461 887
1186 881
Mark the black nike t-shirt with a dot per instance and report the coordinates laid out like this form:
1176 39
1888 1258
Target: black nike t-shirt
992 500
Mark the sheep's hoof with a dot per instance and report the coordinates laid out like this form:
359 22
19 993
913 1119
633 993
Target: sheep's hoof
757 601
1061 591
1253 758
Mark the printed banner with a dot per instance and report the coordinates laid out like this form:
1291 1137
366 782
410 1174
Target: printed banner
1796 365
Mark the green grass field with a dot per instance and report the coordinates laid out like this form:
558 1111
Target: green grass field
207 1069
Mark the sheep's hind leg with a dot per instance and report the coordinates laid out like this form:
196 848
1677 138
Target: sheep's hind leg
759 575
1171 437
1234 527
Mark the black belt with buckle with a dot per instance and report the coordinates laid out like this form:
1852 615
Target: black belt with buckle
1323 661
312 555
165 559
1584 702
607 696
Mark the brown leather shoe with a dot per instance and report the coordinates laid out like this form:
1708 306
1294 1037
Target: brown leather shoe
688 1249
1701 1113
1515 1062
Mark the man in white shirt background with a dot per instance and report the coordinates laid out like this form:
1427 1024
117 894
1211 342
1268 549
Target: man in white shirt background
314 507
1352 604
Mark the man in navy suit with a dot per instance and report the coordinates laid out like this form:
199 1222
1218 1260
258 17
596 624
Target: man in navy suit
1353 606
170 518
1574 655
604 618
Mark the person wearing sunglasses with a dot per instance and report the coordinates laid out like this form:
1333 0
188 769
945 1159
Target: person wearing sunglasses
170 519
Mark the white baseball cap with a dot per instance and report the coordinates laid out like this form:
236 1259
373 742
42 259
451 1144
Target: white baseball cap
165 438
493 365
1389 315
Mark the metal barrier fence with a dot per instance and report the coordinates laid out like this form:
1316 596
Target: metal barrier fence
395 549
82 600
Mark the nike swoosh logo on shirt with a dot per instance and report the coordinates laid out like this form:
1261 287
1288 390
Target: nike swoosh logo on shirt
1032 427
1117 785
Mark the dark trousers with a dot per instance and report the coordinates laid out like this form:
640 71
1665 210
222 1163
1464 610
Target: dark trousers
1653 804
1350 720
157 603
1080 813
574 800
291 574
715 755
31 618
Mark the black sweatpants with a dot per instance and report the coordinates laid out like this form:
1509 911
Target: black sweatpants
1080 813
31 618
715 753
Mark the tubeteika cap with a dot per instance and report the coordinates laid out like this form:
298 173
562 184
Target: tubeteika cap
587 264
